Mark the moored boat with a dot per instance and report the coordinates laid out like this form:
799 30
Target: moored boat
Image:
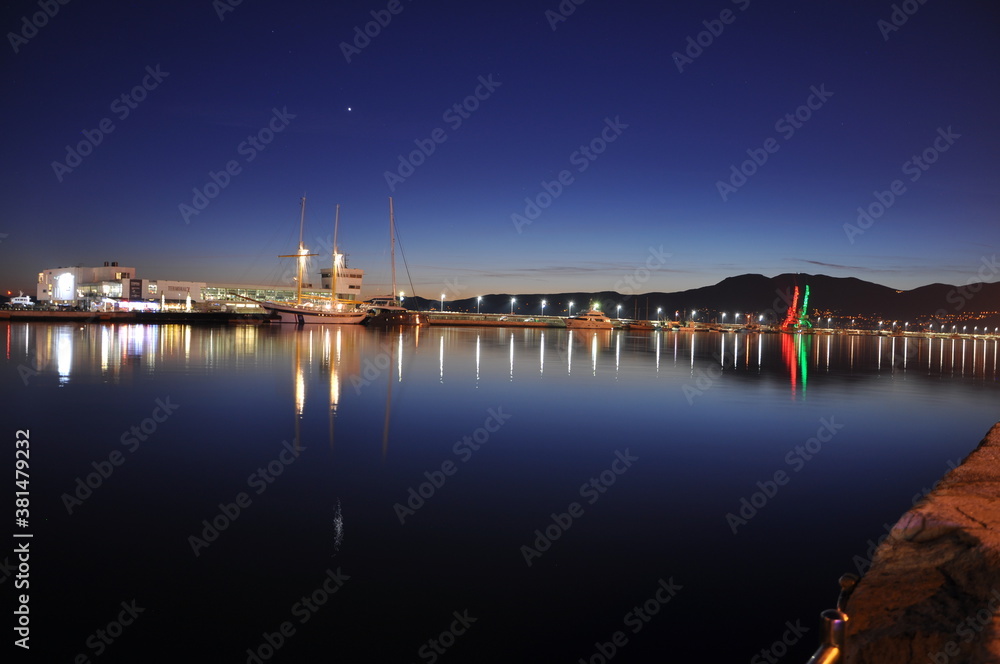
307 313
590 320
323 311
388 310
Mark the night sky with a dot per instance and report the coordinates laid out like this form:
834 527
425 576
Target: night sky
621 131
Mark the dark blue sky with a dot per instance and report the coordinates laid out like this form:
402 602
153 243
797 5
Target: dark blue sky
607 71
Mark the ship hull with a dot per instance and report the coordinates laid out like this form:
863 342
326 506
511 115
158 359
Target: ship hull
302 316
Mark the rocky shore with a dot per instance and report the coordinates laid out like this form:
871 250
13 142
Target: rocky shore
933 590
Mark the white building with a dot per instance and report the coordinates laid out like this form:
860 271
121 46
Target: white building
74 285
114 285
95 286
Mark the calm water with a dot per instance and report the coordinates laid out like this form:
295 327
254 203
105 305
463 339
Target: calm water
393 487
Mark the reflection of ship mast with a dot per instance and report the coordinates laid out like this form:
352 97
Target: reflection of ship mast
334 361
388 403
332 356
300 389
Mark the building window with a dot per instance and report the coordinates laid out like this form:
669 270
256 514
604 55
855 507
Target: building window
152 289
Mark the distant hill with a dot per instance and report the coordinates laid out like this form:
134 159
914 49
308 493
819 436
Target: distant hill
844 297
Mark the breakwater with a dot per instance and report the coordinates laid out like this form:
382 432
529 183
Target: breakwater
933 589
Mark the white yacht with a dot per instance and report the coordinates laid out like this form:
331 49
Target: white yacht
590 320
22 300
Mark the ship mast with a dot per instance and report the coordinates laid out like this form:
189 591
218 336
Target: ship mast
302 251
301 255
392 248
333 275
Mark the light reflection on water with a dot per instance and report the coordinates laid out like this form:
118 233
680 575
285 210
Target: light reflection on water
109 348
708 415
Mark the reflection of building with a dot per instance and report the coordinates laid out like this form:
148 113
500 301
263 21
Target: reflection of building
112 284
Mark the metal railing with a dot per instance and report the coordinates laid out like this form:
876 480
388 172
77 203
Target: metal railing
833 625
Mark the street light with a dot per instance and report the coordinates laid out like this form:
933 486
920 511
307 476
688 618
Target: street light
619 312
511 306
479 302
543 307
571 307
658 310
442 301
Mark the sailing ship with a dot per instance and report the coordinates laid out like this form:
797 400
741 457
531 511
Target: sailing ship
327 312
388 310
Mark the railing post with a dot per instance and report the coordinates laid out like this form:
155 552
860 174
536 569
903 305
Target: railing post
833 625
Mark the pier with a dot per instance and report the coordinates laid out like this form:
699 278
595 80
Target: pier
932 591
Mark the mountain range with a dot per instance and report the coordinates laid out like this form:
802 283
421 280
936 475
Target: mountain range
836 297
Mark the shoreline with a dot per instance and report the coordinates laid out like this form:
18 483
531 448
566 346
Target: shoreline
933 589
460 319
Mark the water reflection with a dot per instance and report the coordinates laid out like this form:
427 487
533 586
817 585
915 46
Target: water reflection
120 353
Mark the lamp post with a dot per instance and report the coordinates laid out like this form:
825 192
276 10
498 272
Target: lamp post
619 312
658 310
511 306
543 307
571 307
479 302
442 301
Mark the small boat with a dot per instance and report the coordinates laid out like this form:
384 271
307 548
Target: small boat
324 311
641 325
21 300
388 310
590 320
382 303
